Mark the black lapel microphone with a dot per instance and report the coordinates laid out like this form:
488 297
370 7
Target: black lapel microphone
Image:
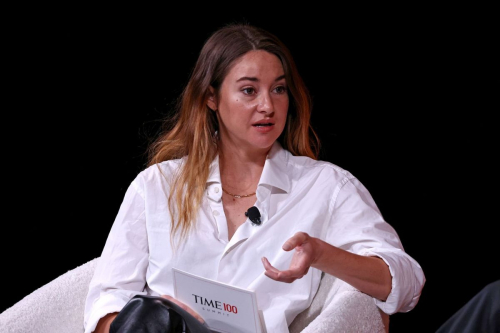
254 215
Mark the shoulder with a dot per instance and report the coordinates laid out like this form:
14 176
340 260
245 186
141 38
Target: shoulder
301 166
159 172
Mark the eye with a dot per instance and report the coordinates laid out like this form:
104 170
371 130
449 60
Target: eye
280 89
248 91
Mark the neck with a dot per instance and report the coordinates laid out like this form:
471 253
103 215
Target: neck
241 170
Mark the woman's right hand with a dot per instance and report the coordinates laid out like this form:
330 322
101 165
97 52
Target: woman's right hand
105 322
185 307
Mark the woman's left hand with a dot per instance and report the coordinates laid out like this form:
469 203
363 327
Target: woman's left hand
306 253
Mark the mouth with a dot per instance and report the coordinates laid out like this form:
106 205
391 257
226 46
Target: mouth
263 124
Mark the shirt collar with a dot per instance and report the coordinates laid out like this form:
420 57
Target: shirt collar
275 169
274 173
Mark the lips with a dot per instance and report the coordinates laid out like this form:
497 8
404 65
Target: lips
263 123
264 126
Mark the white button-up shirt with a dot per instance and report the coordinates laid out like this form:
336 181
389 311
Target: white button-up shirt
295 193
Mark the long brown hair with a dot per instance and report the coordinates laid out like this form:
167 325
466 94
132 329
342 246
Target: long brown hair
190 132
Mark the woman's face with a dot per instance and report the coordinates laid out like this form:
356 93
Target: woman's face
253 102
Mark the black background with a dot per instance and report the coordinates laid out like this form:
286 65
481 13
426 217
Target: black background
404 99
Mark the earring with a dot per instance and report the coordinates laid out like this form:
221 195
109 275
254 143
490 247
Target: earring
215 137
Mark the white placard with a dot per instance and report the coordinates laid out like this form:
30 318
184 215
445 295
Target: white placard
225 308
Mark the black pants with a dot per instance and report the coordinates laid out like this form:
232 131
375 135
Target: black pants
479 315
152 314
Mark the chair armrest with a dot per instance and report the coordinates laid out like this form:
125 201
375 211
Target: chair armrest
339 307
56 307
351 311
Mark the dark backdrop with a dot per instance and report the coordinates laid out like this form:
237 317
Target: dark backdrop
405 102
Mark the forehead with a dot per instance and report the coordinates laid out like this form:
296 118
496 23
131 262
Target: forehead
256 64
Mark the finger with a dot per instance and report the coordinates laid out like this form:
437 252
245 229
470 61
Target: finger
280 279
270 268
185 307
282 276
298 268
296 240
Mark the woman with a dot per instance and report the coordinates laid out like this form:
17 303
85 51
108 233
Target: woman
242 138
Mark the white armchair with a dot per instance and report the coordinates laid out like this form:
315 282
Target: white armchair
58 306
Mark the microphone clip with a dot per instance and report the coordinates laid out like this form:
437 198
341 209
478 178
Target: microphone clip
254 215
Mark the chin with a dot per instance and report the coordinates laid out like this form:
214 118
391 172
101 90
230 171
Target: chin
263 144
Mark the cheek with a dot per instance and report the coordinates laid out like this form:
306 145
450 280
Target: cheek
282 107
235 103
241 107
234 111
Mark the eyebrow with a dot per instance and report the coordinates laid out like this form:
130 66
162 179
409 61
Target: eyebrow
248 78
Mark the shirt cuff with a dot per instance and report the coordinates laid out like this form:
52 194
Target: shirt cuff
407 280
108 303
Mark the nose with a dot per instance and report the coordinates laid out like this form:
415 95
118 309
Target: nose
265 104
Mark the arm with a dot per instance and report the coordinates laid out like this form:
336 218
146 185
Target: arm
121 271
359 247
370 275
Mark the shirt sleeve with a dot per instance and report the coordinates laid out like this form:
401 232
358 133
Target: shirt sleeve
121 269
357 226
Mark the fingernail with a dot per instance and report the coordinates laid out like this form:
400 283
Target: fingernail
287 247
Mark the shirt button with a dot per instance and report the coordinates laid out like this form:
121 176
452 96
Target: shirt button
216 213
216 190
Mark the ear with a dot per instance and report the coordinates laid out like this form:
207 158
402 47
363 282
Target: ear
212 100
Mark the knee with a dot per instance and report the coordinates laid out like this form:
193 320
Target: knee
492 289
489 296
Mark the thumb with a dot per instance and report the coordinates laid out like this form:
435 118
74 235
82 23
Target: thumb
298 239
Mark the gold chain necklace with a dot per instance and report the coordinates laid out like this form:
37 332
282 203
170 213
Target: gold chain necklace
238 196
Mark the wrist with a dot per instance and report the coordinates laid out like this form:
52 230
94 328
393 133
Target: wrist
318 250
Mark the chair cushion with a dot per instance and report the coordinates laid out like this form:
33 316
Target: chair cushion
56 307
